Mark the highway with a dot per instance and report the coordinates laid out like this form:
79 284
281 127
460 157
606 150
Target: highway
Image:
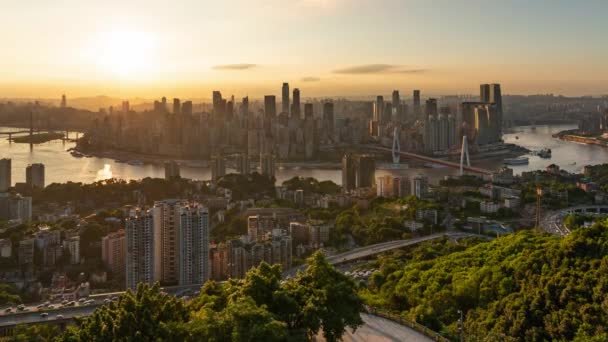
381 329
370 250
553 222
57 315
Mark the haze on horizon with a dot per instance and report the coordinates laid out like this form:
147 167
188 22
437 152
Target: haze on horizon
325 47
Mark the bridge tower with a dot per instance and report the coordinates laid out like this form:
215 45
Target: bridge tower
396 146
464 152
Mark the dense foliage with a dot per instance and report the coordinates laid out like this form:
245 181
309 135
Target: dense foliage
311 185
243 187
260 307
383 221
113 192
521 287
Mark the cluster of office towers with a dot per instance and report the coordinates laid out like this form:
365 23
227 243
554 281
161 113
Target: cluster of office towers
444 126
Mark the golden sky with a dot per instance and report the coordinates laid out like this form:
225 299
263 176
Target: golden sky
188 48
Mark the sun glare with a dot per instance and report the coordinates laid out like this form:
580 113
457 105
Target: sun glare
127 54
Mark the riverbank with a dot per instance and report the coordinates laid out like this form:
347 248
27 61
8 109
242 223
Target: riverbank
570 135
38 138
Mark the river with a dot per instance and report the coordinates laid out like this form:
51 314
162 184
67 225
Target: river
61 166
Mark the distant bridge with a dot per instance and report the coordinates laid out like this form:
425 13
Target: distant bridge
433 160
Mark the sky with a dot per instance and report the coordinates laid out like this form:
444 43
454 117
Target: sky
187 48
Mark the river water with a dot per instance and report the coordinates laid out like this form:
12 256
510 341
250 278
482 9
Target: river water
61 166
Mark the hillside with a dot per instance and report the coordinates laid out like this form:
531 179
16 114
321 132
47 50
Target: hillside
523 287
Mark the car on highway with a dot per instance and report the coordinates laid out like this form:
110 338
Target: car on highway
60 317
21 307
44 315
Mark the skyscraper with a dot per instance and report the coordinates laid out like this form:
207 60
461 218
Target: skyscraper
219 107
63 101
378 109
5 174
484 93
171 169
396 114
143 249
349 172
285 98
267 165
193 244
176 106
125 107
308 111
270 107
496 98
431 107
163 103
245 106
218 167
295 110
328 117
34 176
366 171
242 163
416 103
187 108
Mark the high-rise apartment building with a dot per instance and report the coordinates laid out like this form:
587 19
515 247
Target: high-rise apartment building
267 165
285 98
349 172
218 167
5 174
34 176
172 169
358 171
242 164
392 186
113 252
167 224
420 186
143 249
366 171
193 245
64 102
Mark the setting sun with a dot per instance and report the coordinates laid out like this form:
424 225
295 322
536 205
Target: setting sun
126 53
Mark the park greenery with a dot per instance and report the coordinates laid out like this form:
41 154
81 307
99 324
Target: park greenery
526 286
244 187
382 221
260 307
311 185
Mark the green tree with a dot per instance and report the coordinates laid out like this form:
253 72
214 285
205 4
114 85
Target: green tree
147 314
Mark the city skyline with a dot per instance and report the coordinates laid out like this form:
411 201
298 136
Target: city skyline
324 47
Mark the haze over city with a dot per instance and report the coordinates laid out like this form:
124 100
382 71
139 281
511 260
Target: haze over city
328 47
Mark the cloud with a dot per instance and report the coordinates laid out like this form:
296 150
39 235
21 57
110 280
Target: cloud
377 69
310 79
243 66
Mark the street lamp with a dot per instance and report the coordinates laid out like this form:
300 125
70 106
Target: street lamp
460 324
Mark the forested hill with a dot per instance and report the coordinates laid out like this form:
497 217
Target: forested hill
523 287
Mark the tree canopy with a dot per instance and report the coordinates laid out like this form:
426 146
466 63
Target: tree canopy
260 307
523 287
